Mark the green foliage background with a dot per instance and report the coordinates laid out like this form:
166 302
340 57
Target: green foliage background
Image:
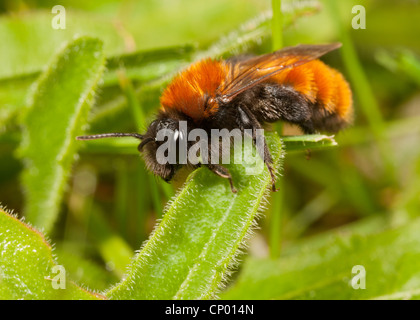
352 201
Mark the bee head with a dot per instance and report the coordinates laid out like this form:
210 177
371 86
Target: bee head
160 131
150 143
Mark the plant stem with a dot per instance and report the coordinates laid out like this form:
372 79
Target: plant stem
140 120
121 196
364 93
276 224
132 102
277 207
277 25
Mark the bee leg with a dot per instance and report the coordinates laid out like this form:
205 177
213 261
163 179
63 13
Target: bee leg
307 127
273 177
222 172
248 119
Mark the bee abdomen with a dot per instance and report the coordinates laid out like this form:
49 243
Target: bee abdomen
326 91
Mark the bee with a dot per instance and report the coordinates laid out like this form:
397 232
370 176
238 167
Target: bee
290 85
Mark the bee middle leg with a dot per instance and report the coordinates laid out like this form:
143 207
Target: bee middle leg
245 120
222 172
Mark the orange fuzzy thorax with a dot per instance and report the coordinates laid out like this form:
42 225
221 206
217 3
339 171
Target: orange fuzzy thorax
190 91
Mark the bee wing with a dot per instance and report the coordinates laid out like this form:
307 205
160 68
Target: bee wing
245 74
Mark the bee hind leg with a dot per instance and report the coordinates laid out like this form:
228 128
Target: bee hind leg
307 127
222 172
247 119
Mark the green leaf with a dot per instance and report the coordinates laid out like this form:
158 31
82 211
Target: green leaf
27 267
192 250
390 260
57 112
305 142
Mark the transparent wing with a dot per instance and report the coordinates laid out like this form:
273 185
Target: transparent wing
247 73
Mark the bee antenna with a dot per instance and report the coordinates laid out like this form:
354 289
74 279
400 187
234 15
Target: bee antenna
110 135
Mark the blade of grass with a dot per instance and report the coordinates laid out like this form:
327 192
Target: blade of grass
154 190
276 25
364 93
122 188
312 211
114 250
276 221
291 144
277 208
259 28
403 60
136 110
326 272
140 121
147 64
111 246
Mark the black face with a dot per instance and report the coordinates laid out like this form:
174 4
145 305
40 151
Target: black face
153 139
164 130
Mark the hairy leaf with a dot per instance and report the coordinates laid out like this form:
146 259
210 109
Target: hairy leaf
190 253
57 112
28 269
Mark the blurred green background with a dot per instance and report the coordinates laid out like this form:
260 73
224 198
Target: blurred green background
370 181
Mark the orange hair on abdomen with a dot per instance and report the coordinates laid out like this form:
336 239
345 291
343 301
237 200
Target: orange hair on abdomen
322 85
